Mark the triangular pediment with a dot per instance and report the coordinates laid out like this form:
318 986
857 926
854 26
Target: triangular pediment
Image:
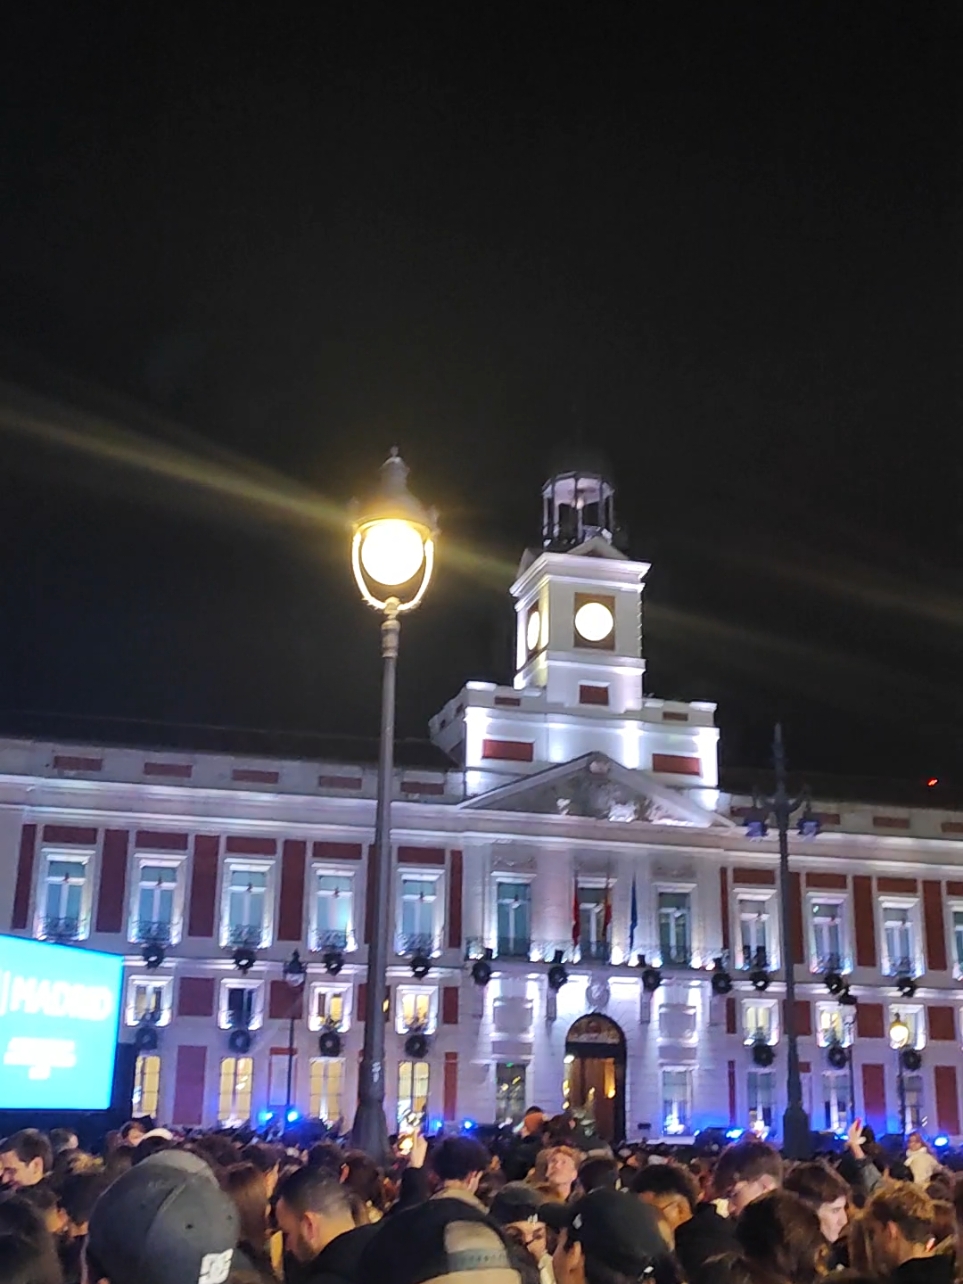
596 787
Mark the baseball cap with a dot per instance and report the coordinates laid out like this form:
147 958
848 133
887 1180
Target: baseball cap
515 1202
616 1229
443 1241
163 1223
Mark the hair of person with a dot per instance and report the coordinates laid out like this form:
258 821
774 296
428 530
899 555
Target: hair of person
816 1184
905 1206
782 1234
120 1160
311 1190
61 1138
564 1148
328 1156
219 1152
944 1221
262 1155
247 1186
28 1144
24 1262
521 1260
42 1196
491 1183
900 1172
458 1157
863 1239
143 1125
150 1146
747 1161
79 1194
598 1173
20 1216
533 1110
733 1268
365 1178
666 1179
360 1213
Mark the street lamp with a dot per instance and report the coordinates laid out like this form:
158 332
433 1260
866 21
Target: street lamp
293 973
899 1037
392 556
796 1134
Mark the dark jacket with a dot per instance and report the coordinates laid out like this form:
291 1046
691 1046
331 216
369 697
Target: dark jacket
519 1158
338 1263
925 1270
705 1235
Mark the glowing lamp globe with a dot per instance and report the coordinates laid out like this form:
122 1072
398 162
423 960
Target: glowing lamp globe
392 552
594 621
533 631
899 1034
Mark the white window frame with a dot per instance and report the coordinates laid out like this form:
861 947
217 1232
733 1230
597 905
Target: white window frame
257 1007
344 992
770 906
673 889
913 1081
138 1105
408 1102
248 1061
425 874
249 864
321 869
316 1100
914 1017
500 876
829 1014
759 1126
834 1080
178 864
664 1128
81 855
770 1006
816 957
165 984
912 904
415 992
955 907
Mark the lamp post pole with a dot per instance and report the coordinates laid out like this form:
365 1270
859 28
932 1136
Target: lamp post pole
901 1090
294 975
370 1131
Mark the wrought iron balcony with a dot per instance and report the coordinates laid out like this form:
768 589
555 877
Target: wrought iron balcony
755 959
903 967
513 947
828 963
61 929
675 955
414 943
594 951
330 939
249 934
153 930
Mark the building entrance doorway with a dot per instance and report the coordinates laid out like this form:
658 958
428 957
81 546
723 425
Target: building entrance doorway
594 1086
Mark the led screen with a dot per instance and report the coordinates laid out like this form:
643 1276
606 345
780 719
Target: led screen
59 1010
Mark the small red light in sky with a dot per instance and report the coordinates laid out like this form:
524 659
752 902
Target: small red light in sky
932 781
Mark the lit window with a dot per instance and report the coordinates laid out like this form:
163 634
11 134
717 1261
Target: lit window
675 937
416 1009
510 1098
594 921
761 1085
913 1087
755 932
826 935
676 1102
329 1008
146 1085
412 1089
327 1077
234 1096
246 910
958 941
419 898
899 940
156 910
831 1026
282 1070
514 904
241 1005
912 1015
64 909
759 1021
148 997
334 911
836 1103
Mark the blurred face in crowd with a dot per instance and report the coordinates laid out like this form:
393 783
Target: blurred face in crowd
16 1174
532 1123
833 1218
673 1207
300 1232
561 1170
914 1141
531 1235
744 1192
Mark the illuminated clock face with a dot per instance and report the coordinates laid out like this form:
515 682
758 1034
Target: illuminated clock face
533 629
594 621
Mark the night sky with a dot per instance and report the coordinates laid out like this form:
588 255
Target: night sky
244 249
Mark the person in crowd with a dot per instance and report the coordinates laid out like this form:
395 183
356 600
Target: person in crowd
609 1236
598 1172
166 1221
920 1160
266 1159
364 1178
25 1158
63 1139
669 1188
21 1220
313 1212
247 1186
781 1234
515 1210
822 1188
900 1231
119 1161
134 1131
458 1163
78 1198
561 1170
520 1156
23 1262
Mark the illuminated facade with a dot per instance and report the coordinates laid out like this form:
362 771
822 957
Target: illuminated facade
580 825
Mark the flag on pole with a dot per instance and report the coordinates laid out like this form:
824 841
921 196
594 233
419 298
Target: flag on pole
576 930
633 917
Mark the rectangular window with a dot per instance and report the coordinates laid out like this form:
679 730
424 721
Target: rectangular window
510 1100
958 941
327 1077
675 934
148 997
333 911
278 1063
595 922
913 1085
898 938
676 1102
514 919
759 1021
826 943
761 1100
329 1008
234 1093
836 1102
246 917
156 903
419 896
241 1005
755 932
412 1089
416 1009
146 1085
831 1027
913 1017
63 914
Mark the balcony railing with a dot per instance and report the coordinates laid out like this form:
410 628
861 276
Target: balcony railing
675 955
414 943
330 939
513 947
755 959
828 963
61 929
903 966
249 934
594 951
152 930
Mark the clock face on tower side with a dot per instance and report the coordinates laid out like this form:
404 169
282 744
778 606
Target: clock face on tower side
594 622
533 629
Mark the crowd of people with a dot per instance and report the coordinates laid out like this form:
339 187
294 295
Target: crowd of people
546 1206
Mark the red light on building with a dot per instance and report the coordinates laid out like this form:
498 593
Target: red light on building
932 781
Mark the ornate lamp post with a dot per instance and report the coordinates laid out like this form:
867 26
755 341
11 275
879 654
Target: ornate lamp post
392 556
293 973
899 1037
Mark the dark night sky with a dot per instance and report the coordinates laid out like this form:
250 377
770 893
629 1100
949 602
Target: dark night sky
720 242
